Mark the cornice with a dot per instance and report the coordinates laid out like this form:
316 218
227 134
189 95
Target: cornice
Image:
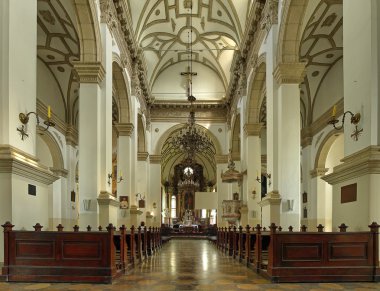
155 159
14 161
106 198
363 162
124 129
318 172
89 72
252 129
60 172
142 156
272 198
290 73
221 159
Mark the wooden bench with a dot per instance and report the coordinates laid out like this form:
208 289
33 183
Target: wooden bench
323 256
62 256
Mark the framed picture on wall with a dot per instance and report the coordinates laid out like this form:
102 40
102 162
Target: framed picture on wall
124 202
304 197
72 196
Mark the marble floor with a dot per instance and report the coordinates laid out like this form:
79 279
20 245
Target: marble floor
190 265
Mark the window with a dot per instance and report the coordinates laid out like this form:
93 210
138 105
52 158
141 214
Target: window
173 207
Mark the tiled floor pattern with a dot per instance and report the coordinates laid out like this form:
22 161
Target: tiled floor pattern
190 265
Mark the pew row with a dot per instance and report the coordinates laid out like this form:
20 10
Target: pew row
74 256
287 256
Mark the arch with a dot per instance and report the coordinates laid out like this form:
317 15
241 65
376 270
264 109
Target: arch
293 12
161 141
255 90
88 31
324 148
122 99
54 148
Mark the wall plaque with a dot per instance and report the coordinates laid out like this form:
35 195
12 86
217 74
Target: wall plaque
348 193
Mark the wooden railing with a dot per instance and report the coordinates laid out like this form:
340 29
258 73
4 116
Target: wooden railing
74 256
287 256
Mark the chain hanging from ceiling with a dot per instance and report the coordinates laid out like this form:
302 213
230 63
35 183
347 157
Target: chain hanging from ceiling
191 140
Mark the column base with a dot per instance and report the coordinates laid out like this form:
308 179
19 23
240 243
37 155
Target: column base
271 204
108 206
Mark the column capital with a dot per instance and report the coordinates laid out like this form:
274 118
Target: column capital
253 129
306 136
318 172
290 73
124 129
89 72
155 159
142 156
71 136
221 159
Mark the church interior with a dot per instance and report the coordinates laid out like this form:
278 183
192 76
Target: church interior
190 119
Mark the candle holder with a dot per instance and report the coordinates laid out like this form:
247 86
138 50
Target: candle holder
355 118
24 118
268 176
110 176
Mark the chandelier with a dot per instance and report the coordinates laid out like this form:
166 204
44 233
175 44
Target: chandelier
191 140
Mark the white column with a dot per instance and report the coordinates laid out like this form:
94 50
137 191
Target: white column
90 178
155 188
317 212
361 42
288 77
222 188
18 67
253 160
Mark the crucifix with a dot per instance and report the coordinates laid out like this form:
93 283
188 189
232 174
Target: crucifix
189 74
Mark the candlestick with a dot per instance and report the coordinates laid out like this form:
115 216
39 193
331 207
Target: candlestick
49 112
334 111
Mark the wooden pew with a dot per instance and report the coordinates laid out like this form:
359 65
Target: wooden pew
62 256
323 257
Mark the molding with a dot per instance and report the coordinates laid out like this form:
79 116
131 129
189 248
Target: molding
59 172
221 159
71 136
135 210
106 198
318 172
272 198
180 113
361 163
19 163
124 129
235 156
155 159
290 73
253 129
142 156
89 72
264 159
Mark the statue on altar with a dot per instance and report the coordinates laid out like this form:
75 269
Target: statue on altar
188 218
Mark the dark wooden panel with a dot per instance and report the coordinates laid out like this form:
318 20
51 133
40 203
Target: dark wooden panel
352 251
348 193
29 249
81 250
302 252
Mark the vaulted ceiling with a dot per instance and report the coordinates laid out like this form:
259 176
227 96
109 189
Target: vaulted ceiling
177 36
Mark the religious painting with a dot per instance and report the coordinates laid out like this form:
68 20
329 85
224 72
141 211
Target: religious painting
235 196
189 200
72 196
141 203
124 202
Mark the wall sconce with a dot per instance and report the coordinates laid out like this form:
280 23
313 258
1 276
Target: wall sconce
154 205
110 176
268 176
290 203
253 195
355 118
24 118
86 204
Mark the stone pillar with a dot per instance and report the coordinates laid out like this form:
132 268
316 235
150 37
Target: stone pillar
318 213
221 166
253 160
58 201
155 187
90 111
361 42
270 205
288 77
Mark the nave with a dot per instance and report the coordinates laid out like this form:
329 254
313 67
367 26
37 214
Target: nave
184 264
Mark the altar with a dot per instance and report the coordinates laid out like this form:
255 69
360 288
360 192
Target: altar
188 228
